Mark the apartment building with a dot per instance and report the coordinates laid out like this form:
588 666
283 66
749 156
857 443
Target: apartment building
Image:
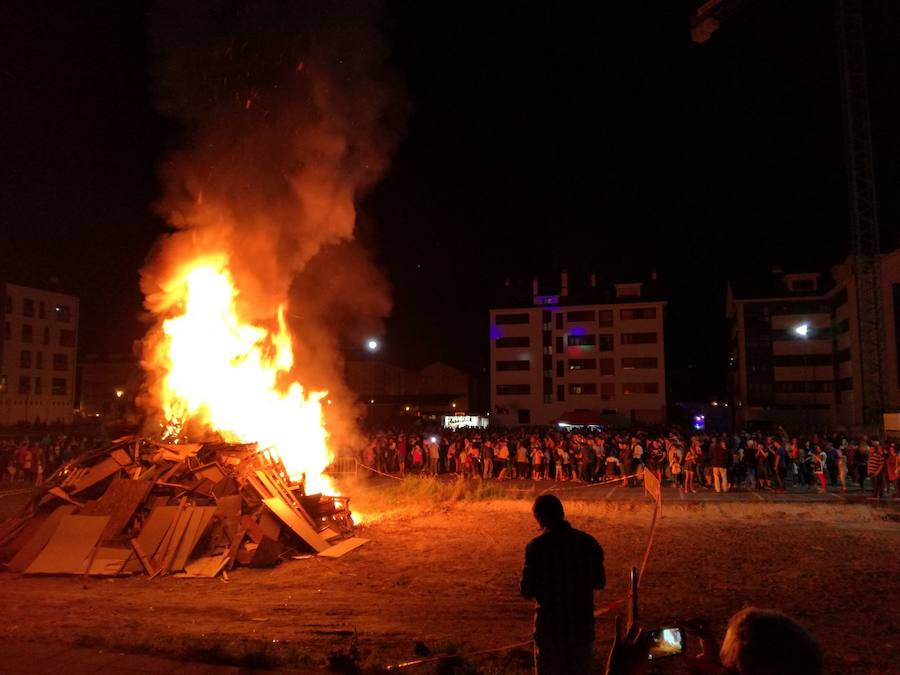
37 355
796 346
594 354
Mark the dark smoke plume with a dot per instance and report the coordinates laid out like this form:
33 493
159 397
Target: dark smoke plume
290 113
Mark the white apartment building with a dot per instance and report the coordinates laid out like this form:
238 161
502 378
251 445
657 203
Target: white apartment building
558 358
38 347
796 345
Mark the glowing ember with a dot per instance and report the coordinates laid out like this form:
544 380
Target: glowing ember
232 376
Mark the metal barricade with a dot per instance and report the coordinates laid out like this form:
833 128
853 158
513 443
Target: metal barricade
342 466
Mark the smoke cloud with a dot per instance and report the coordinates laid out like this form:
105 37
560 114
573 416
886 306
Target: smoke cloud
290 113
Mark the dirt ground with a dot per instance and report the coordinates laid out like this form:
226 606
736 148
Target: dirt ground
446 575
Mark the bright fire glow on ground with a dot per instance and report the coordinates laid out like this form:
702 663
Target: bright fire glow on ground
229 375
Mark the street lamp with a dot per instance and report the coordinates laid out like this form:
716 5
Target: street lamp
372 345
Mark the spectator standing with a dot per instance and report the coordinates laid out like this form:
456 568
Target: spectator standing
537 461
718 458
690 465
637 455
501 458
563 567
875 469
820 462
842 469
892 467
487 459
612 465
521 459
451 457
434 455
675 468
417 457
762 468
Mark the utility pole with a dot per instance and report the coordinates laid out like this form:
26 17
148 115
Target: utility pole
863 207
864 229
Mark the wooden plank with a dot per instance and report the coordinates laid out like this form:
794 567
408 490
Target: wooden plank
10 529
36 543
61 494
261 490
71 546
264 478
224 488
328 534
206 567
109 561
122 457
95 474
119 502
20 536
197 527
228 509
74 476
167 550
252 528
278 487
213 472
292 518
154 531
230 556
345 546
270 525
145 561
167 474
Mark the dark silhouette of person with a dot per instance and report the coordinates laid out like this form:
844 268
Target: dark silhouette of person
563 567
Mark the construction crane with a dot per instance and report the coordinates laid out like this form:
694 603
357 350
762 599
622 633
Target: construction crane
864 228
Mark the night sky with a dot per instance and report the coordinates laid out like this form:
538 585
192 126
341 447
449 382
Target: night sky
591 138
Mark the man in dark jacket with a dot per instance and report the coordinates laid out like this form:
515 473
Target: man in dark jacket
563 567
718 458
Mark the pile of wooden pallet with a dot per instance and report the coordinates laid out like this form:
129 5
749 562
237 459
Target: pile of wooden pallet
141 506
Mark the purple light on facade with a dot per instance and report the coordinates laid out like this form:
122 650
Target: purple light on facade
496 333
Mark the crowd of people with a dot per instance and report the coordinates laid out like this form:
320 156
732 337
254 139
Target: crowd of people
688 462
29 459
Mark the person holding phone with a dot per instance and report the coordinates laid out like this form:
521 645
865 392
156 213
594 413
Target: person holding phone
757 642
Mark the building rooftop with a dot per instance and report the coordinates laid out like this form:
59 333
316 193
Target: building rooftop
574 288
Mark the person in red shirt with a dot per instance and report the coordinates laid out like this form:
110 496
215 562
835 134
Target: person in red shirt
25 459
892 466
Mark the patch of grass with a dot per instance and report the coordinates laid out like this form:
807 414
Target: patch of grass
423 492
226 650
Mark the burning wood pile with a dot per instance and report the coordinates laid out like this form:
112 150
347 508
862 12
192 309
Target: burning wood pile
193 510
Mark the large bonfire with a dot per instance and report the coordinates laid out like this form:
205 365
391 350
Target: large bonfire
233 377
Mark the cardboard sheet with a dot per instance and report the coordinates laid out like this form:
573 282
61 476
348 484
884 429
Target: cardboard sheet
71 547
343 547
109 561
39 539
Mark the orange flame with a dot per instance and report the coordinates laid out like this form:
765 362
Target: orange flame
232 376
